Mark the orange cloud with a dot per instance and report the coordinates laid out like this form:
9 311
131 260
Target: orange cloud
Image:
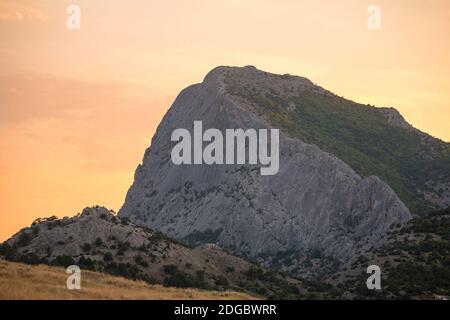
13 11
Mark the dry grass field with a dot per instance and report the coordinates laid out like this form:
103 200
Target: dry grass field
21 281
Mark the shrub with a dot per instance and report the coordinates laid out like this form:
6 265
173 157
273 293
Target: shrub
86 247
63 260
98 242
221 281
107 256
229 269
200 281
29 258
180 280
7 251
24 239
170 269
86 263
254 273
123 247
140 261
124 269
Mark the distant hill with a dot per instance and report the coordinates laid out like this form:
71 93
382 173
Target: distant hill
100 241
415 263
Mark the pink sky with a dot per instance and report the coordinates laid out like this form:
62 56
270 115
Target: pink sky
78 108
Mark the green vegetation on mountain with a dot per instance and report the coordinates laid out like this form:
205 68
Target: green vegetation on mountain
415 262
410 162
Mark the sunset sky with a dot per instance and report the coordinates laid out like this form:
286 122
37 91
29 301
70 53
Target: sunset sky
78 108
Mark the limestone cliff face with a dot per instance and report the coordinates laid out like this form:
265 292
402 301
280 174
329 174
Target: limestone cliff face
315 203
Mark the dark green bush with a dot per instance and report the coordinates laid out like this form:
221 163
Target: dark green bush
98 242
107 257
63 260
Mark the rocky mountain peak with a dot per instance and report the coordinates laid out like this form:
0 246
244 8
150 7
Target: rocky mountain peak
250 79
315 204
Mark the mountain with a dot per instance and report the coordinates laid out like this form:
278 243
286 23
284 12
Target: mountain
100 241
373 141
354 187
348 173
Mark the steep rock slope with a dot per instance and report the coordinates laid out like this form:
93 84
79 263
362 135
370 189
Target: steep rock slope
315 204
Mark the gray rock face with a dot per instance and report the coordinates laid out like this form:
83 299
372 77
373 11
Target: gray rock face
315 202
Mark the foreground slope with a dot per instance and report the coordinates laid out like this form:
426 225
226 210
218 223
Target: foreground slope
98 240
414 262
315 204
39 282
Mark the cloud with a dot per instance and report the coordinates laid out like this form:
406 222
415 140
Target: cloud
13 11
49 120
